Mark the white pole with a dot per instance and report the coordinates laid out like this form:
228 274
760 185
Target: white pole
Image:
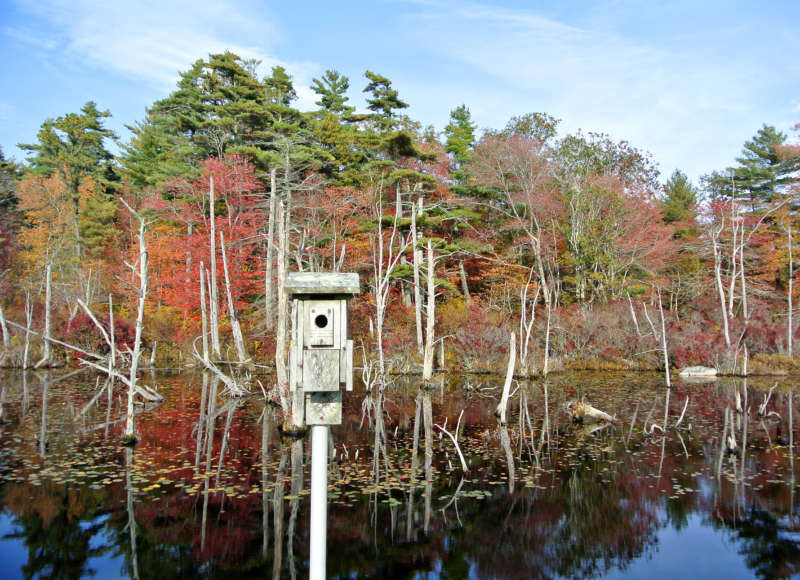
319 501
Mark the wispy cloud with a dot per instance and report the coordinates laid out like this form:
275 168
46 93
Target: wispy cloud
592 77
151 40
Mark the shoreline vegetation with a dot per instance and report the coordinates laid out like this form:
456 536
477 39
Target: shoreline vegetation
519 251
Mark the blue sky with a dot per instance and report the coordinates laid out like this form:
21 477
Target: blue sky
689 82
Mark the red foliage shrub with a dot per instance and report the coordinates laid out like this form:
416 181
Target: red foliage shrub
82 332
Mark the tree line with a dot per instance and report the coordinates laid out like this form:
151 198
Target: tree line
567 241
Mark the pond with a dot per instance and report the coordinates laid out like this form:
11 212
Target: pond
213 490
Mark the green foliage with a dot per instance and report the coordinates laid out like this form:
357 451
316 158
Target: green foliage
539 126
762 172
578 156
680 198
332 90
219 108
10 174
384 101
97 220
74 146
460 138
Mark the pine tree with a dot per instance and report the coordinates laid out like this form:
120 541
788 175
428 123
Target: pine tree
384 100
332 90
762 171
74 147
460 134
680 198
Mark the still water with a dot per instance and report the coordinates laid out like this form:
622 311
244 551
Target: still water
213 490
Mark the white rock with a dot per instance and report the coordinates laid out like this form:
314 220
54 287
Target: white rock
698 371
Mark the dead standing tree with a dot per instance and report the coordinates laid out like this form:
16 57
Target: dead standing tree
386 256
139 271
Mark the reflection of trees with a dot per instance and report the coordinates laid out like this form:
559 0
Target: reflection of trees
767 543
596 503
57 532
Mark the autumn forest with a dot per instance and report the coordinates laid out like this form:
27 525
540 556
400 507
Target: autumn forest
565 251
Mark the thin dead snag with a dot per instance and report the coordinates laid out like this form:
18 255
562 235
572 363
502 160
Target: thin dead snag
214 310
268 291
417 266
430 308
500 412
236 329
139 271
48 302
386 257
526 320
136 353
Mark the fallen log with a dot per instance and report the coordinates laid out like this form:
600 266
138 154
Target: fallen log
580 410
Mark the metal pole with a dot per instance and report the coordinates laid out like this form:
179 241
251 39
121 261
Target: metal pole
319 501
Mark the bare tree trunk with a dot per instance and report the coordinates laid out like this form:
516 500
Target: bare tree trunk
526 322
427 365
382 282
664 344
216 349
28 322
4 330
48 275
270 243
789 323
112 346
745 310
512 357
720 289
417 293
281 339
734 264
546 364
203 313
236 330
136 353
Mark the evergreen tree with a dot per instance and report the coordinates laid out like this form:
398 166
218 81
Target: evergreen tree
9 177
74 147
384 100
10 174
762 172
680 198
219 108
460 137
332 90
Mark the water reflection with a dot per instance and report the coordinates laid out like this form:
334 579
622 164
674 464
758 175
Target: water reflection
213 489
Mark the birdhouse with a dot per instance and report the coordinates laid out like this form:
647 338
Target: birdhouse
321 353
